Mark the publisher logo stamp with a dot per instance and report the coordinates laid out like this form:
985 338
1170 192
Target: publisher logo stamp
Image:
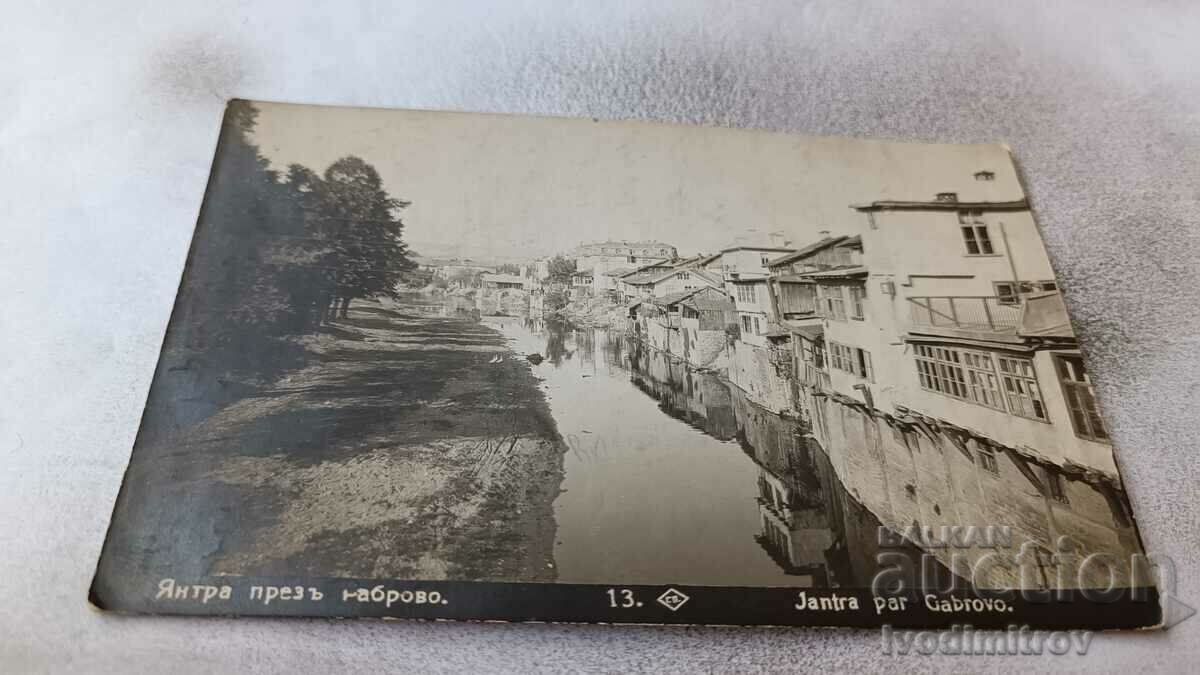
673 599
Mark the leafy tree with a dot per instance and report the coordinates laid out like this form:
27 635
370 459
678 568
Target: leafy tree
360 224
560 269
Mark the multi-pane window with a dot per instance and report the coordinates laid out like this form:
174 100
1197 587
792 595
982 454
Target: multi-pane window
858 300
1021 388
975 233
833 302
852 360
981 378
839 356
745 324
745 293
812 352
940 369
1006 383
1009 292
757 327
1081 398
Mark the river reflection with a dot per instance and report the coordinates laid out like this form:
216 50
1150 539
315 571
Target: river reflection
672 476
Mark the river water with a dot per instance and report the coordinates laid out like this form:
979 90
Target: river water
672 476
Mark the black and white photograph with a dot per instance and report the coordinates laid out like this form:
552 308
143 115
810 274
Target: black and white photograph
632 358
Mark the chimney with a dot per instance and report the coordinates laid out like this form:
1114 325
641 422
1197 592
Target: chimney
947 196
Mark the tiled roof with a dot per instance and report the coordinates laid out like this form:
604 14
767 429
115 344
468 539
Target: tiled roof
807 250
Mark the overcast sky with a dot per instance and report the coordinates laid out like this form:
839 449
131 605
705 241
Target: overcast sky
513 185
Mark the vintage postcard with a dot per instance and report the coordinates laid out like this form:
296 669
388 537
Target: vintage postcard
445 365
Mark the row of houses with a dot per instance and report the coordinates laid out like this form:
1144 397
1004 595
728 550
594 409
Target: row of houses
929 352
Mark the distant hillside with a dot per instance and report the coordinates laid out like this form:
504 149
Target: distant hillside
483 254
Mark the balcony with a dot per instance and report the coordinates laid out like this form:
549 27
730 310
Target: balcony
968 314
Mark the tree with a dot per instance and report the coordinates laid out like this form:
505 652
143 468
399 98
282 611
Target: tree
358 223
560 269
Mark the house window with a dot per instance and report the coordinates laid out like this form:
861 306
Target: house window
1081 398
940 369
851 360
839 356
745 324
985 175
1007 293
863 362
833 302
757 327
858 297
765 259
987 459
684 275
1055 489
814 353
981 379
633 258
1021 388
1010 292
975 233
745 293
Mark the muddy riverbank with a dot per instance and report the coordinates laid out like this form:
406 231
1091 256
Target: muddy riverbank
411 446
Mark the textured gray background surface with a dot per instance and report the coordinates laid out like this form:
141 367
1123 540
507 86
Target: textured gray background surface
108 118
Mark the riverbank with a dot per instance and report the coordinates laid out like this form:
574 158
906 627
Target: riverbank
406 449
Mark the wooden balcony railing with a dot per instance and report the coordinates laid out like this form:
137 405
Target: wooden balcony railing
972 313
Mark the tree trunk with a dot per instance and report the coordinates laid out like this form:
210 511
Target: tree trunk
345 307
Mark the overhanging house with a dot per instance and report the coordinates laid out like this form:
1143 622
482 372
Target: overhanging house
945 380
689 325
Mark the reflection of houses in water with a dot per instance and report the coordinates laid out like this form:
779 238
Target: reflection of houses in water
809 525
700 399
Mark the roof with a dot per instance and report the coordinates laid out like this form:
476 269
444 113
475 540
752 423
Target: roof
793 279
812 331
806 251
706 275
1018 205
1045 315
775 330
781 249
708 299
672 298
503 278
644 278
838 273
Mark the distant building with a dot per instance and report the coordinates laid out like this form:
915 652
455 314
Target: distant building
601 258
667 278
502 281
583 283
